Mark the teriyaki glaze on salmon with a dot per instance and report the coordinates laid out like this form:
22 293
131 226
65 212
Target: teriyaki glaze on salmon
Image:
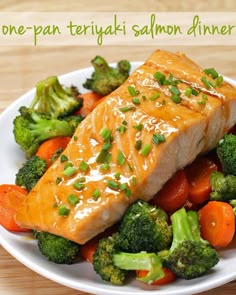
167 112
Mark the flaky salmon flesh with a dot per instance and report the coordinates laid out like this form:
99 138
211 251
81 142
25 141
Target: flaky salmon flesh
166 113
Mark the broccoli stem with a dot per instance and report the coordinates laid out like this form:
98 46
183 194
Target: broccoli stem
140 261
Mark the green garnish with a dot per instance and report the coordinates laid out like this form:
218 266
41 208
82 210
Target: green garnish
128 192
106 146
83 166
81 179
207 84
160 77
124 122
134 180
105 167
138 127
138 145
188 91
103 157
176 98
68 164
144 97
136 100
219 81
127 109
121 158
204 99
105 133
75 138
69 171
58 180
158 138
63 210
73 199
117 175
211 72
146 149
78 185
96 194
121 129
194 92
174 90
63 158
154 96
123 186
132 91
113 184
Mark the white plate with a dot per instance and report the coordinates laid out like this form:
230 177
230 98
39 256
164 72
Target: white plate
81 276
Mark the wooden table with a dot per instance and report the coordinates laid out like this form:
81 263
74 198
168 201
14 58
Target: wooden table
22 67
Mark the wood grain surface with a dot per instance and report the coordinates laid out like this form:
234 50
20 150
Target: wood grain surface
21 67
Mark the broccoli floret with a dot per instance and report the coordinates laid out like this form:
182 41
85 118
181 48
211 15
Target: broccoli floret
144 227
32 128
105 79
189 256
103 262
53 99
31 171
223 187
57 249
225 149
114 266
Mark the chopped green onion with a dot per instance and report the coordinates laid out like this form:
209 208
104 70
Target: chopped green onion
204 99
123 186
113 184
174 90
124 122
63 210
96 194
117 175
75 138
103 157
211 72
219 81
207 84
160 77
146 149
163 102
154 96
73 199
128 192
138 145
83 166
105 133
63 158
144 97
130 167
134 180
188 91
81 179
58 180
176 98
121 158
212 83
105 167
121 129
194 92
106 146
158 138
68 164
79 186
127 109
136 100
69 171
132 91
138 127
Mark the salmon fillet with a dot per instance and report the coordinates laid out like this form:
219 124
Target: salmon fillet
190 126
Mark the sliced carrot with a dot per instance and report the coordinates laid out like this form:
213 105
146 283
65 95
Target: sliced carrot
11 197
50 146
90 99
198 176
217 223
87 250
169 276
174 193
